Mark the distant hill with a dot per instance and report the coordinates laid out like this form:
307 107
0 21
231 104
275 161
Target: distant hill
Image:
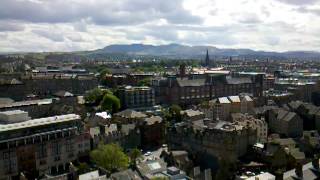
170 51
183 51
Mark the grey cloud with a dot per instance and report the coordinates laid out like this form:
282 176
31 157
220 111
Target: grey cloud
272 40
104 12
11 26
49 34
80 26
209 38
299 2
308 10
248 18
74 37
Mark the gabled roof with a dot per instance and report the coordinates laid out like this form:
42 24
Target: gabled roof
246 98
234 99
224 100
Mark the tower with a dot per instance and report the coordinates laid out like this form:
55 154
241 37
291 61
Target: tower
207 62
182 70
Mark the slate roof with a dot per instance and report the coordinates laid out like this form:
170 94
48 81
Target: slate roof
130 114
286 142
297 154
263 109
191 82
236 80
294 104
285 115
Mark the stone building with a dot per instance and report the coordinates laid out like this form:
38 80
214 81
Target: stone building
152 132
136 97
192 115
222 107
285 123
249 121
212 139
45 85
41 146
194 89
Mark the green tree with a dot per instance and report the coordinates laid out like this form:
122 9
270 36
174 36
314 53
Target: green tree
102 76
175 112
144 82
160 178
134 155
110 102
94 96
83 168
111 157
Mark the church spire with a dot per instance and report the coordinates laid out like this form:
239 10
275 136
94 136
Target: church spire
207 63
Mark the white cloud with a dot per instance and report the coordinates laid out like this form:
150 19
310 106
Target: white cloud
43 25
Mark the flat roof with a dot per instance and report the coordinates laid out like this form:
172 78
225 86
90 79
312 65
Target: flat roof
27 103
13 112
39 122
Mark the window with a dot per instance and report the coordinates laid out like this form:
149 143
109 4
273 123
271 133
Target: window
69 145
56 148
9 161
42 151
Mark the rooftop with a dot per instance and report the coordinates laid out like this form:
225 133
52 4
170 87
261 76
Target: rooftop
27 103
191 112
104 115
153 119
129 113
12 112
224 100
234 99
38 122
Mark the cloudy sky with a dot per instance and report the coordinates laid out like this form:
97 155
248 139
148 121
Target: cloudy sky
70 25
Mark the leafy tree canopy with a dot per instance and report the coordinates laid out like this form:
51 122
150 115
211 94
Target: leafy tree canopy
111 157
110 102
